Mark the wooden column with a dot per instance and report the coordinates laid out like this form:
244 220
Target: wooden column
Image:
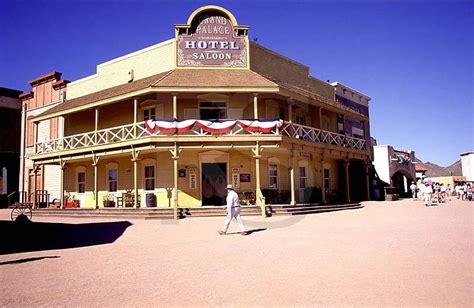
290 110
96 126
320 118
292 177
175 155
348 190
95 163
135 154
255 106
135 117
260 199
175 105
367 181
23 154
62 166
35 174
323 185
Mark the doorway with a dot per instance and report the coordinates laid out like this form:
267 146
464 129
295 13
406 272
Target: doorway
214 181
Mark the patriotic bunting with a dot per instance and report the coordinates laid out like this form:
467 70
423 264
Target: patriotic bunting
219 127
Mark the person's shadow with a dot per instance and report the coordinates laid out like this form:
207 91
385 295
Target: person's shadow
249 232
26 236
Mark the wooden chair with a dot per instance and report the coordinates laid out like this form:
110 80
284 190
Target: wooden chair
128 199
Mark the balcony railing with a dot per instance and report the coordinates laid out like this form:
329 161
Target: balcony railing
139 130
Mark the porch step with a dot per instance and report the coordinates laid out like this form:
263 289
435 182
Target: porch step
167 213
107 213
280 210
218 211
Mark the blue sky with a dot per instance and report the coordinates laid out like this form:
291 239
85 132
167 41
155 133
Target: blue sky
414 58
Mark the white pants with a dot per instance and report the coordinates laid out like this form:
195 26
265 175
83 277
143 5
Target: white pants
235 213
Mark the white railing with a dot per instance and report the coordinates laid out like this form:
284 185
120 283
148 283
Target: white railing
136 131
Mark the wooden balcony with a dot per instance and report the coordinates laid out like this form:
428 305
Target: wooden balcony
139 131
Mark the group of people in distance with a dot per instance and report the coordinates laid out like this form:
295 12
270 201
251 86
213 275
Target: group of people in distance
436 193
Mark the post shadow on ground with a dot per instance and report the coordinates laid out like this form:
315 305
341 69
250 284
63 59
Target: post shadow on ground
25 260
27 236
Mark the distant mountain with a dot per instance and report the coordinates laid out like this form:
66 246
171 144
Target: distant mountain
433 170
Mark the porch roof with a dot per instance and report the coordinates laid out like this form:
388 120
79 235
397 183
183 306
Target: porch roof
179 80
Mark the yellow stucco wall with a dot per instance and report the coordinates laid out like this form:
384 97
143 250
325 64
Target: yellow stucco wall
145 62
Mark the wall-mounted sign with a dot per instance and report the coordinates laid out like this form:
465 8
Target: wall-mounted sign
192 179
211 40
235 180
245 177
306 154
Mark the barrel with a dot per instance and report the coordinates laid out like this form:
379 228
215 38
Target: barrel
150 200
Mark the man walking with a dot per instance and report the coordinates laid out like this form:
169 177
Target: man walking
233 211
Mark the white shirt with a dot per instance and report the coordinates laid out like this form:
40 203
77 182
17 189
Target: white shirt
232 200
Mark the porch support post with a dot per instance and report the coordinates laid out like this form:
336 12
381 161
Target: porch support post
95 163
320 118
62 165
135 117
290 110
323 187
96 127
22 157
346 172
175 155
35 175
255 106
175 106
292 176
135 154
260 199
367 181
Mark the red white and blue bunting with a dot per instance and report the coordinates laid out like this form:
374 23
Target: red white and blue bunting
218 127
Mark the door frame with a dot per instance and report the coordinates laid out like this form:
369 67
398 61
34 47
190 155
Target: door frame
210 157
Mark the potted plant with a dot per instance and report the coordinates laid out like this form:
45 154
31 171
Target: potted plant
71 201
109 200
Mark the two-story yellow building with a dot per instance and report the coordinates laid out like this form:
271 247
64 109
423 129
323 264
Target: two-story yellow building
176 122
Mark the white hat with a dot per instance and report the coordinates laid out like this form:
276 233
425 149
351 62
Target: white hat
229 187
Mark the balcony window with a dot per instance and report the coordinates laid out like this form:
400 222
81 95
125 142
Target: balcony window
213 110
149 114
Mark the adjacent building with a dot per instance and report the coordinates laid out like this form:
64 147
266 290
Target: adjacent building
178 121
10 119
395 167
467 163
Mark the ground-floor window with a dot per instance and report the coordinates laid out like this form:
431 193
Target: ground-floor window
81 182
327 179
303 177
273 173
149 177
112 177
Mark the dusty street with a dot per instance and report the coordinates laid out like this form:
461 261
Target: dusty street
387 254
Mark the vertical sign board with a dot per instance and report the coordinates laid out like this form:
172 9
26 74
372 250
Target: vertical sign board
192 178
236 180
211 41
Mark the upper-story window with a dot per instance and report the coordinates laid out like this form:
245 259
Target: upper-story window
300 120
213 110
149 113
